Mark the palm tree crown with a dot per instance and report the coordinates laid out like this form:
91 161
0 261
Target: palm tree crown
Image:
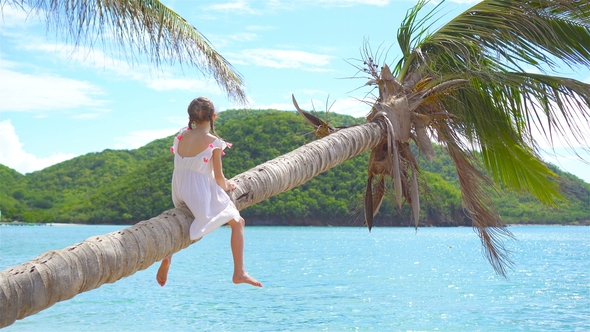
465 85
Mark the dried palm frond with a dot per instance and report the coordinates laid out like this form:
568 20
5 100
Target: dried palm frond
485 219
322 128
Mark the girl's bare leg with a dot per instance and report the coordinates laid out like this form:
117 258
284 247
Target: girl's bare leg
162 275
237 249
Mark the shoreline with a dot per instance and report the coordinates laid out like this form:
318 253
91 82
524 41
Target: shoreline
22 223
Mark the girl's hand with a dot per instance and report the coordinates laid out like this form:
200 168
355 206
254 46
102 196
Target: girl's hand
230 185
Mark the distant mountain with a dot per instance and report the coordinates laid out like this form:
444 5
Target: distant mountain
127 186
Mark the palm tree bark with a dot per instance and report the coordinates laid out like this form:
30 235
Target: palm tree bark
59 275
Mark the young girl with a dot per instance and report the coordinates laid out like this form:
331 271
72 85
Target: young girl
198 182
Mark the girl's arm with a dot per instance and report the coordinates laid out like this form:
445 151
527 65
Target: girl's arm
218 171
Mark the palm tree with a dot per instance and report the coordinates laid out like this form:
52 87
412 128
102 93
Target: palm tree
136 28
463 85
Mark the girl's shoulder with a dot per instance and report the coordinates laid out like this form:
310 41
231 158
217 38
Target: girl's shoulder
183 130
221 143
211 139
195 136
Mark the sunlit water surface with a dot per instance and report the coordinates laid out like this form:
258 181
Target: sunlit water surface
331 278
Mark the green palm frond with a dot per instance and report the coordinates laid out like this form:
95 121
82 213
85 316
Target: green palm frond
413 29
488 45
493 118
562 101
485 219
521 170
512 33
144 27
492 103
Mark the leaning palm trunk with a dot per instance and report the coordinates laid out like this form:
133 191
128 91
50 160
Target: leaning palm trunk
60 275
299 166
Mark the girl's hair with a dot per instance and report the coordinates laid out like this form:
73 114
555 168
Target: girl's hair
200 110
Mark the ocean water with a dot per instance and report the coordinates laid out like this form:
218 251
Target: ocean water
331 279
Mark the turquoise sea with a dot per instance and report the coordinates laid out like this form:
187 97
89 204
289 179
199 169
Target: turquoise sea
331 279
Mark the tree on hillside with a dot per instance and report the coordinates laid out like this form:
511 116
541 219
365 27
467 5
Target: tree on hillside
463 84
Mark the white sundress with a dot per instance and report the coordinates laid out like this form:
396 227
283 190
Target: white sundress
194 185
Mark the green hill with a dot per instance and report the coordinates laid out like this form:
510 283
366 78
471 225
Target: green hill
10 193
127 186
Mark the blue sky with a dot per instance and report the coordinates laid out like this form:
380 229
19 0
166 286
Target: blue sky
58 102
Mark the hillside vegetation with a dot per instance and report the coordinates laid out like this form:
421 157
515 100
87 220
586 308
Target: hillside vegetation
127 186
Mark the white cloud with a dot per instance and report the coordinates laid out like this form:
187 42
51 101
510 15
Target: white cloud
86 116
14 17
224 41
273 106
568 138
281 59
179 121
570 160
312 92
260 27
139 138
467 2
460 2
161 80
320 100
345 3
245 7
244 37
166 77
90 58
238 6
186 84
348 106
13 155
560 140
24 92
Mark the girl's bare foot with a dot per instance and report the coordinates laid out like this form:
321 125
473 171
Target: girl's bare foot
162 275
245 278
